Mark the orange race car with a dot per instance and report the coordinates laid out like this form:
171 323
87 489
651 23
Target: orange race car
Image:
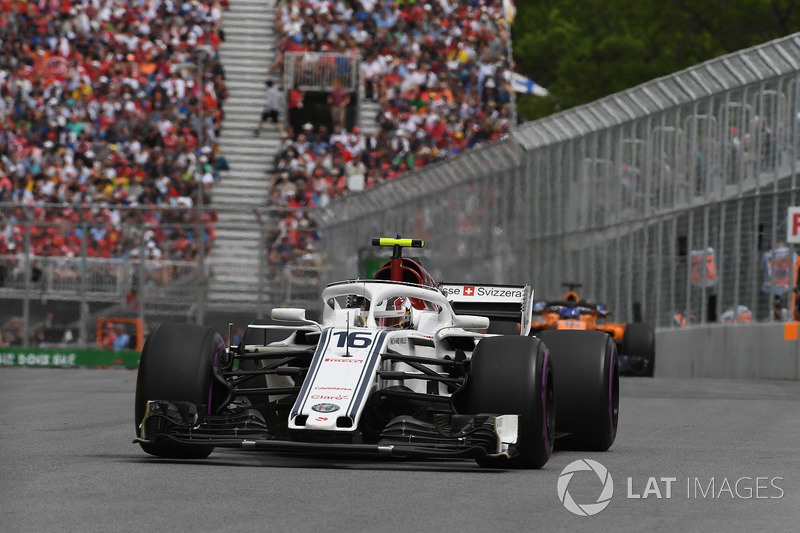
636 341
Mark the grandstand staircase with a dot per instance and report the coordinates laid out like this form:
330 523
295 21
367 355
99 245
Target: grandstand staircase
367 112
246 54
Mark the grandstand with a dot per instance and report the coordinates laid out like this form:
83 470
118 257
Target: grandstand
127 149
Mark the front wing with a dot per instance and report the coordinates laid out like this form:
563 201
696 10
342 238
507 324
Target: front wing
483 435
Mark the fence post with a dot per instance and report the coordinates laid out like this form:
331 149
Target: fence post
140 292
26 303
290 276
142 272
262 264
83 339
201 268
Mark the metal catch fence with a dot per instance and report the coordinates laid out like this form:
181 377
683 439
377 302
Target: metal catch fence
666 201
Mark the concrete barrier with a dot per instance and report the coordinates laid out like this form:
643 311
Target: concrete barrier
734 351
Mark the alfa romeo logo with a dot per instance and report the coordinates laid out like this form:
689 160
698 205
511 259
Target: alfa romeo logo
586 509
325 407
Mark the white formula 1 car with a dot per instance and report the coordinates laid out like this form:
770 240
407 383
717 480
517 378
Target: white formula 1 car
398 366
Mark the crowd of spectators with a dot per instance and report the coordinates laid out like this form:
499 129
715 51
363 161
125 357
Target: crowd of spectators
39 333
440 72
100 106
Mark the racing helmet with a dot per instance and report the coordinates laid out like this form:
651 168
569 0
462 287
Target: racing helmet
394 313
566 313
362 312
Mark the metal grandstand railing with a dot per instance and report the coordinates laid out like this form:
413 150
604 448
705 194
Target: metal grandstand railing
615 194
317 71
142 278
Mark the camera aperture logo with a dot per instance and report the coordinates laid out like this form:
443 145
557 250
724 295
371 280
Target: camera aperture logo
585 509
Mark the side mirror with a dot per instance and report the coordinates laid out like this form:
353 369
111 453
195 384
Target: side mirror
471 322
289 314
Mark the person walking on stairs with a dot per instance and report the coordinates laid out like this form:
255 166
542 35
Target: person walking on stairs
271 109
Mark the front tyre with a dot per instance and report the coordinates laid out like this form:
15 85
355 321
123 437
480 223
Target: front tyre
177 365
514 375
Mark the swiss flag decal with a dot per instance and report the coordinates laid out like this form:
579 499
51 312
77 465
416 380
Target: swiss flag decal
469 291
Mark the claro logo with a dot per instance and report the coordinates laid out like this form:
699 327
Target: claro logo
586 509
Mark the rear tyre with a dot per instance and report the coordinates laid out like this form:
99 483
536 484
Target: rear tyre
514 375
639 340
587 398
177 365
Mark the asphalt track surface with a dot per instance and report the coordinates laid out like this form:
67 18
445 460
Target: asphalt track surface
67 464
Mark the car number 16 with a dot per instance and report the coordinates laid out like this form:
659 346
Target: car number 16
355 339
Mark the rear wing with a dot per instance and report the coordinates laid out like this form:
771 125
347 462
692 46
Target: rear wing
508 304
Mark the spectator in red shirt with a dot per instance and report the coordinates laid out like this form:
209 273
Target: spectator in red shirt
294 107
